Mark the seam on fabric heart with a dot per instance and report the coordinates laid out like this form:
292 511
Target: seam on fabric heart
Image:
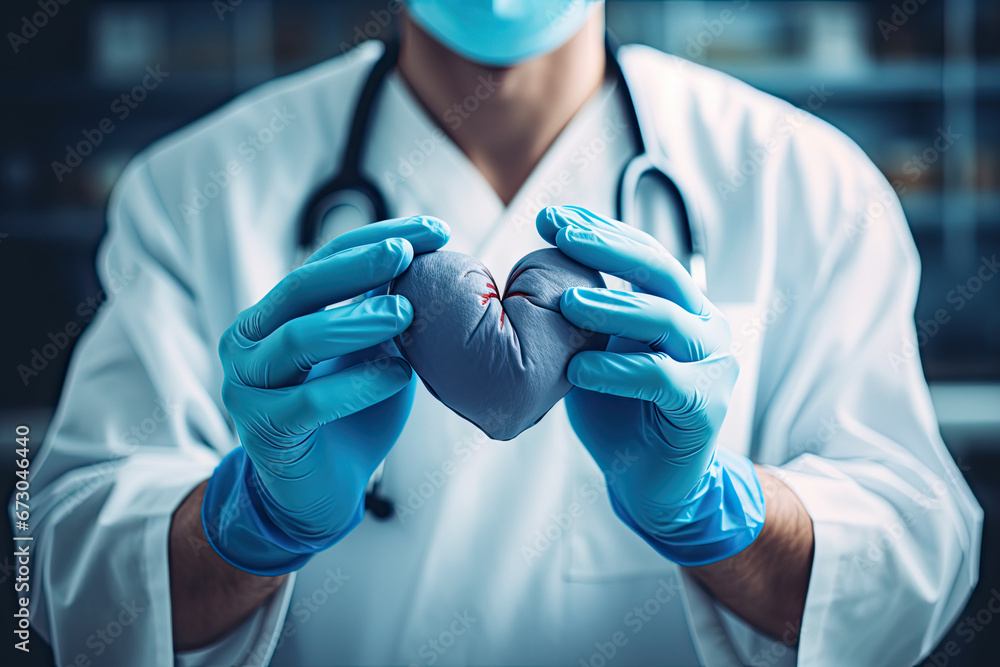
507 294
494 293
532 299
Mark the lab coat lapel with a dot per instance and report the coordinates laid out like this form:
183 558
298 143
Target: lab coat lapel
423 172
572 171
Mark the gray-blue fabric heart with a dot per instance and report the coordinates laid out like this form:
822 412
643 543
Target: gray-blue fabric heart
497 360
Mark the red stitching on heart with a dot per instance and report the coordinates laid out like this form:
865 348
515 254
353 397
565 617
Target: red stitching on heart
489 295
494 294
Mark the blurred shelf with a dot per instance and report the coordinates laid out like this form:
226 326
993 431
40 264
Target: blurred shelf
988 214
988 77
967 404
923 210
931 210
904 80
967 411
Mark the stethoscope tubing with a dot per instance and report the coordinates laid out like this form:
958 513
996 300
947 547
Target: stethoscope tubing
351 177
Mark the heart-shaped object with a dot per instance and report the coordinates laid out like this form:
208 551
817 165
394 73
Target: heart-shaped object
498 361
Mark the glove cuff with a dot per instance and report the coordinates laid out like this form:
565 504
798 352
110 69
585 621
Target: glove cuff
239 528
721 517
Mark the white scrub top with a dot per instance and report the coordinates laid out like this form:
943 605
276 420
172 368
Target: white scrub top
509 553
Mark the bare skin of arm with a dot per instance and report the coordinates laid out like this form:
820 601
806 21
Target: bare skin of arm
208 596
766 583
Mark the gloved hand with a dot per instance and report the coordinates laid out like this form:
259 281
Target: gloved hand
649 408
310 442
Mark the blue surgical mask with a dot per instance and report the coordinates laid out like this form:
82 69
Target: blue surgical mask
501 32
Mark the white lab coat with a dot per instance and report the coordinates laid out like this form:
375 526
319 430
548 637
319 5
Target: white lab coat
508 553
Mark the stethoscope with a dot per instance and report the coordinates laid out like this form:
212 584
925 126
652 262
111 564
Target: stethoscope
350 187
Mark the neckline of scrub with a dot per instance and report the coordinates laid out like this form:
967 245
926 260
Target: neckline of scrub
467 183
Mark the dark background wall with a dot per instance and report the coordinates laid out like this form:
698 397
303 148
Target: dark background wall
915 82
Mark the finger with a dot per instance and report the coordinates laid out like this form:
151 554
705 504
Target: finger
551 219
629 253
649 319
285 357
424 233
644 376
675 387
304 408
310 287
653 270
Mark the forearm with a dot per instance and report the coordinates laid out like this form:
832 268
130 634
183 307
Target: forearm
208 596
766 583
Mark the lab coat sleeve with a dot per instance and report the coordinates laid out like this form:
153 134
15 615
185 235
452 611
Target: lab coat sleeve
138 426
848 424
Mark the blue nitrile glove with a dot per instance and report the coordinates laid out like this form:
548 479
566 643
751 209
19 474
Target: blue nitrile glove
311 441
649 408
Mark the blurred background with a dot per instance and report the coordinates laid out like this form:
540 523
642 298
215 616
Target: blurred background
915 82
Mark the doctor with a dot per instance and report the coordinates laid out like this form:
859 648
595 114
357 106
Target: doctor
222 504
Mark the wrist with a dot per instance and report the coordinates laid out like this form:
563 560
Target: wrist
722 515
209 597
